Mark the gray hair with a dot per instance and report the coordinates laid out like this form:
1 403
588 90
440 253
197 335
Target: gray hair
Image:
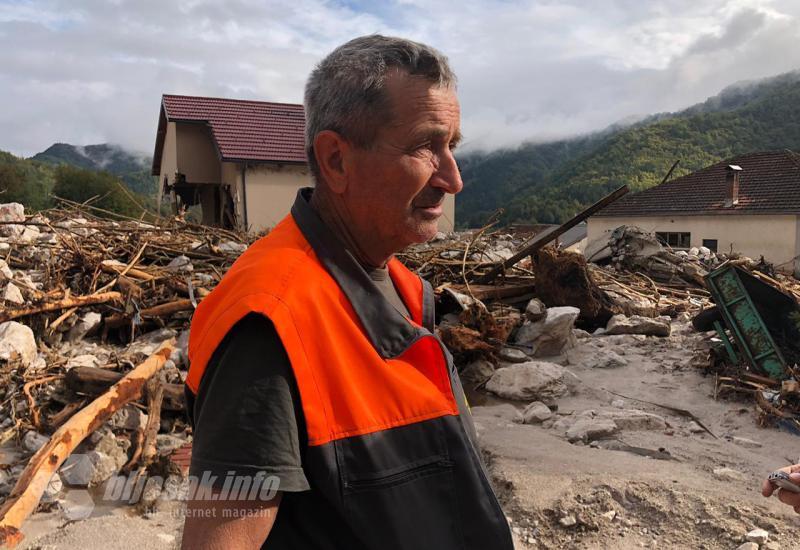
345 92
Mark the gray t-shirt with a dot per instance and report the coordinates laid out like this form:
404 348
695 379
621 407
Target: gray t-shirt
247 414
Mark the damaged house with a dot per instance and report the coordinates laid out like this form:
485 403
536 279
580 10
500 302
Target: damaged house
748 204
241 161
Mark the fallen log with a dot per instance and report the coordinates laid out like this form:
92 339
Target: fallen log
542 239
66 303
93 381
45 462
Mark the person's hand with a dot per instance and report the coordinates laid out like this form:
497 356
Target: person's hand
787 497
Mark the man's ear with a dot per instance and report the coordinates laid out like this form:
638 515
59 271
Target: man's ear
332 152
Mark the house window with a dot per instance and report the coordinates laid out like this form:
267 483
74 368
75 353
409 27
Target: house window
710 244
675 240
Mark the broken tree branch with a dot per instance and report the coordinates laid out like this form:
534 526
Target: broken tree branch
543 238
66 303
43 464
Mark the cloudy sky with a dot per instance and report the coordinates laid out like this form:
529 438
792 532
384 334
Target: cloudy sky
92 71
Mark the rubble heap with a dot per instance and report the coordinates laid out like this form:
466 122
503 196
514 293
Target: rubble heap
84 300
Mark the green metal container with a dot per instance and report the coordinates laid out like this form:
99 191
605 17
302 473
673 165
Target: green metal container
759 318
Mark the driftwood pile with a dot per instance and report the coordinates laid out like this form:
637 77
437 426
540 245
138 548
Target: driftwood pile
94 313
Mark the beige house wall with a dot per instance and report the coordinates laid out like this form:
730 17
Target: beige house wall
774 237
197 157
271 190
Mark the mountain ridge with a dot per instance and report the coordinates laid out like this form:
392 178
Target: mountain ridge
549 182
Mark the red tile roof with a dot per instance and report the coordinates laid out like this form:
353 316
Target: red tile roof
256 131
769 183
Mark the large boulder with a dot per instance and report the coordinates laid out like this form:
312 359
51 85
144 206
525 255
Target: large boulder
17 343
588 429
534 380
635 324
551 335
12 212
536 413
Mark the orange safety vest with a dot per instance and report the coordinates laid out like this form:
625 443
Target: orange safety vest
391 458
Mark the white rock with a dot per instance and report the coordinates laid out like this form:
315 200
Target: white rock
479 370
180 264
105 466
536 413
5 272
30 234
589 429
747 443
12 231
620 324
529 381
115 449
33 441
87 323
12 295
535 310
512 355
568 521
129 417
618 404
17 341
12 212
553 334
747 546
758 536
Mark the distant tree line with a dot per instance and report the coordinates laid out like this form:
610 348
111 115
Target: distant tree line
36 184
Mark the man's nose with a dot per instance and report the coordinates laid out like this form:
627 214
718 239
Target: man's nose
447 176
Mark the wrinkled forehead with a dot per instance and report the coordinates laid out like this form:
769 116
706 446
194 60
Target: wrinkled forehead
414 101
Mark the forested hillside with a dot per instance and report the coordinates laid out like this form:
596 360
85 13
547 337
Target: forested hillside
133 169
62 171
547 183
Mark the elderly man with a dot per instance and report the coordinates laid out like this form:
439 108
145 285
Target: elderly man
314 359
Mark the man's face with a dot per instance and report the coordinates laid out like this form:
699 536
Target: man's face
399 183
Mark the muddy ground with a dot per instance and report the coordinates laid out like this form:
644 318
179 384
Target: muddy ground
659 491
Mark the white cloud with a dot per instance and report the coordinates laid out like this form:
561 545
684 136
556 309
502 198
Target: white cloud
87 71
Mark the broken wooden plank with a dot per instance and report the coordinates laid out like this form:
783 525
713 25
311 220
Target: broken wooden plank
543 238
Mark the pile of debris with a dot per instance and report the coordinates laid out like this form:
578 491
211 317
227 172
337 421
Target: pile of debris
94 315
